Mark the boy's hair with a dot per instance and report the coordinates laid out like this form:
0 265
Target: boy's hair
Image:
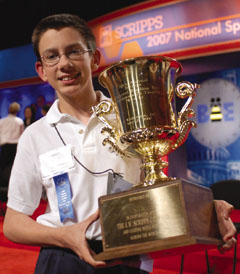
59 21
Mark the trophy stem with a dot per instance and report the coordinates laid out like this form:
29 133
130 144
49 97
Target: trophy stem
153 168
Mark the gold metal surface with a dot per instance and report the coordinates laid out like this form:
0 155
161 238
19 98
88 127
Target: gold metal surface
143 216
147 125
171 218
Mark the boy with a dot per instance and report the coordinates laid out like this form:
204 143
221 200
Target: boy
68 232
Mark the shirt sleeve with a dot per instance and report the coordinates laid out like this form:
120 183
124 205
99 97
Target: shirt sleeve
25 187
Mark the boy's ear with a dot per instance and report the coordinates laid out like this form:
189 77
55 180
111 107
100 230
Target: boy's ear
95 60
41 71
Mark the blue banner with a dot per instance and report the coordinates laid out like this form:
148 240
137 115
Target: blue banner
17 63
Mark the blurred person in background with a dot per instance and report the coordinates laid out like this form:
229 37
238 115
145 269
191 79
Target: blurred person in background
11 128
29 115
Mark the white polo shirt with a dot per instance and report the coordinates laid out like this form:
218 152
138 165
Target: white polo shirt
26 183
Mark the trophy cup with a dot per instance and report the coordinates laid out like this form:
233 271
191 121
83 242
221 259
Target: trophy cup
160 215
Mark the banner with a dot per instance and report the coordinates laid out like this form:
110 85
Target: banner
179 29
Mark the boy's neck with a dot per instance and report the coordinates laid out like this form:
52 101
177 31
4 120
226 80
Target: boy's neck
79 108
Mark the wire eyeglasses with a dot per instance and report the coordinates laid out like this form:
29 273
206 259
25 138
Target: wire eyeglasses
52 58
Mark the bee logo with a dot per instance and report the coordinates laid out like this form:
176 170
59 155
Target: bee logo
216 114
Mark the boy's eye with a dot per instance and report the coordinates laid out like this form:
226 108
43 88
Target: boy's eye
51 56
74 52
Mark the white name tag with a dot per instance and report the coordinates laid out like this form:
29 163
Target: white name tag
56 162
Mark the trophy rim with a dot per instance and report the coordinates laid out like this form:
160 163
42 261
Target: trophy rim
125 61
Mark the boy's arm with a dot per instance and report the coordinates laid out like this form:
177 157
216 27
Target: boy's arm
21 228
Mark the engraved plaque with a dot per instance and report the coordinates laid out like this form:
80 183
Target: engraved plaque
143 216
171 218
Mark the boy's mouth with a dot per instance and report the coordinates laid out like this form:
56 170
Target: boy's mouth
70 77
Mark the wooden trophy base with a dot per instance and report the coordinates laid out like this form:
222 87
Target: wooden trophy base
173 217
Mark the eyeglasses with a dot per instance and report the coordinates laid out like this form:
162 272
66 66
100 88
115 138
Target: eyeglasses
52 58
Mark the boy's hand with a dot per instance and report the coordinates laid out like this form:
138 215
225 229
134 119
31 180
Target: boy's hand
225 224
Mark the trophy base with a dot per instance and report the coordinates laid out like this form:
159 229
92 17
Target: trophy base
175 217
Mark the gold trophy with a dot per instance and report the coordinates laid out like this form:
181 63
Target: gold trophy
160 215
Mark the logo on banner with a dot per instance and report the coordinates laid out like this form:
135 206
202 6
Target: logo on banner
217 107
211 158
106 36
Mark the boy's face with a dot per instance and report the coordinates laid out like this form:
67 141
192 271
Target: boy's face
68 77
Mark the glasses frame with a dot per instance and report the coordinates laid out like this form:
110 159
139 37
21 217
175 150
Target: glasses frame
49 64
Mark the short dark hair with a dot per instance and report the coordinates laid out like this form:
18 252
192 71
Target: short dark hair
59 21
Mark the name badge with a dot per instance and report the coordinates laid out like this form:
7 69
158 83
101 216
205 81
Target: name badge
56 162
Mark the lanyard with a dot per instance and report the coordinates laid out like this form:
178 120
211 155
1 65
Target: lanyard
76 159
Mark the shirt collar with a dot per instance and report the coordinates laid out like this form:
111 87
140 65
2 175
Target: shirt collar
54 116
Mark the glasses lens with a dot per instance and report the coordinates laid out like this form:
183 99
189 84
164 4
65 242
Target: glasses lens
76 54
51 58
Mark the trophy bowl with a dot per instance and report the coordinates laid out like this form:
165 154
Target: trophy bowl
143 96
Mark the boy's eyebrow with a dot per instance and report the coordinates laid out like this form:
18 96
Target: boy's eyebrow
50 49
67 47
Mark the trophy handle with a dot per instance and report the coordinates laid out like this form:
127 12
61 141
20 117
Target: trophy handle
183 90
101 110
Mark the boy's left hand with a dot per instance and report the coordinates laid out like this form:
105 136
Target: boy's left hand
225 224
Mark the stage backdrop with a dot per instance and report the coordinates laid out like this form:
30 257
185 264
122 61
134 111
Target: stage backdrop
35 95
213 147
